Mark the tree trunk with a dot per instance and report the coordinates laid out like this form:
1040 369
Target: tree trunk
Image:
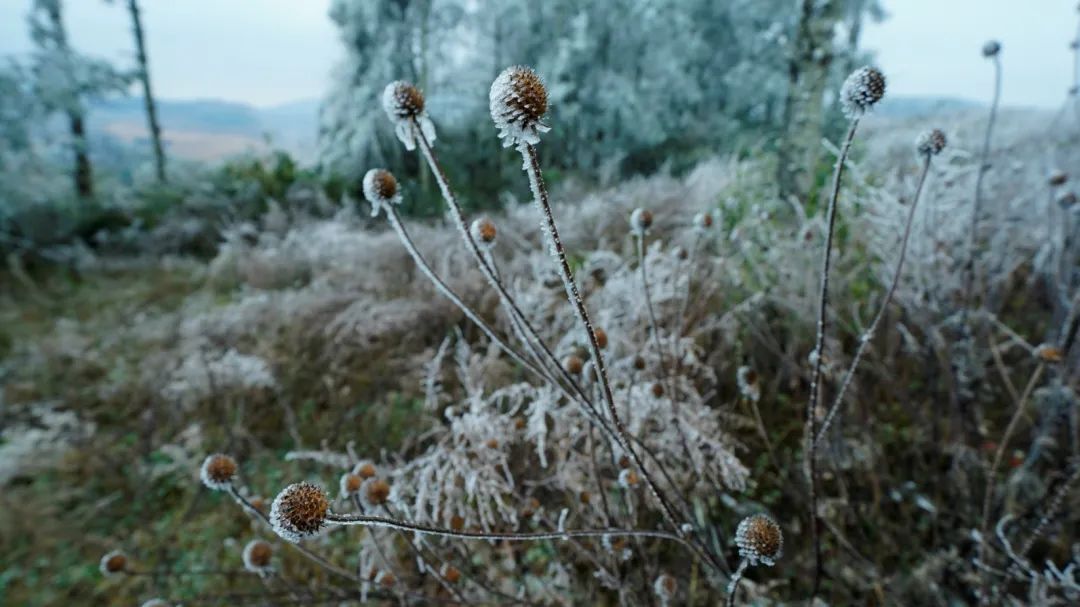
804 115
84 173
148 95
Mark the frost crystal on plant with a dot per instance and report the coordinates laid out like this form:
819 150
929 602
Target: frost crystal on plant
518 100
218 471
381 189
930 143
640 221
113 563
299 511
257 555
760 540
862 89
404 105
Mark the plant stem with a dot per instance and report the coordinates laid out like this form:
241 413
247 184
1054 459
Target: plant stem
819 346
869 334
984 159
733 585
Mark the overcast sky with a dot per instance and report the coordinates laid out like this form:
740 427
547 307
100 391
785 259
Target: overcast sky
267 52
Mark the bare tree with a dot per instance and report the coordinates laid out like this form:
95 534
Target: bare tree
143 74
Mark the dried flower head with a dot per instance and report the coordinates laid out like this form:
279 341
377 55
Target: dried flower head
749 386
450 573
457 522
601 337
257 555
299 511
113 563
665 588
657 389
404 105
518 100
1057 178
385 579
573 364
930 143
703 220
760 540
1049 353
483 232
375 492
381 188
350 484
991 48
218 471
364 469
862 89
640 221
628 478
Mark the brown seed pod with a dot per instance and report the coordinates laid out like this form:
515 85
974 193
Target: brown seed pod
657 389
450 573
364 470
862 90
113 563
601 338
518 101
350 484
759 539
257 555
573 365
218 471
299 511
376 492
402 100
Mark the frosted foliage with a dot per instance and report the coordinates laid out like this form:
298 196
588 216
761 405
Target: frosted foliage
200 376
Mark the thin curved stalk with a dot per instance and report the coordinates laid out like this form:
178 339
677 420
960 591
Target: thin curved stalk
733 585
984 159
869 334
819 346
540 197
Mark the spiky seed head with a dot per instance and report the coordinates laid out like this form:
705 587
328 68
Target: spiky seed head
257 555
1049 353
113 563
402 100
628 478
381 188
1067 199
930 143
572 364
350 484
518 101
1057 178
640 221
760 540
376 491
862 89
601 338
665 588
299 511
364 469
218 471
991 48
703 220
450 573
483 232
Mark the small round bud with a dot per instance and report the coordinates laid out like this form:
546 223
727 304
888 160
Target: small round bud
376 492
218 471
1048 353
585 498
628 478
991 48
640 221
404 105
450 573
113 563
639 363
665 588
1057 178
257 555
381 188
601 338
492 443
1066 199
364 469
350 484
572 364
518 100
299 511
749 386
657 389
703 220
862 89
760 540
930 143
457 523
483 232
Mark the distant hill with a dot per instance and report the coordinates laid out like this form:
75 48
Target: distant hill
212 129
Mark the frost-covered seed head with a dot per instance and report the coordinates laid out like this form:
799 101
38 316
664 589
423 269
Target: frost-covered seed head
1049 353
760 540
218 471
350 484
930 143
376 491
518 100
665 588
747 380
573 364
862 89
492 443
601 337
257 555
364 469
628 478
1057 178
381 188
640 221
299 511
402 100
113 563
703 220
1067 199
991 48
483 232
450 573
657 389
